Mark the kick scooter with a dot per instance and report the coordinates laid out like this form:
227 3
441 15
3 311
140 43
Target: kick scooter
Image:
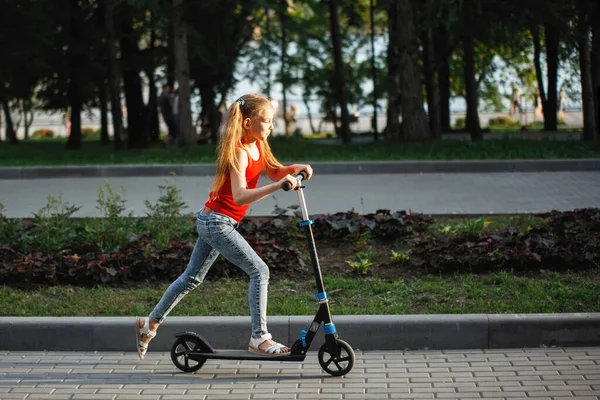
190 350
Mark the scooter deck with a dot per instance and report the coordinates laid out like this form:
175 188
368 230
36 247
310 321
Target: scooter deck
245 355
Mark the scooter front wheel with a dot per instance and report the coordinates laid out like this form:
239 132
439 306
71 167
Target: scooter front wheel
180 350
337 366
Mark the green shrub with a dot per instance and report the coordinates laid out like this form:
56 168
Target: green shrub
113 228
503 121
363 262
52 226
86 131
43 134
460 123
7 227
165 215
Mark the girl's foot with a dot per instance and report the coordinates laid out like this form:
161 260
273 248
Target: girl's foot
143 335
266 346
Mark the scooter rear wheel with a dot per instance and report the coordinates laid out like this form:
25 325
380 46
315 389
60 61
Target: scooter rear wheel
337 366
180 353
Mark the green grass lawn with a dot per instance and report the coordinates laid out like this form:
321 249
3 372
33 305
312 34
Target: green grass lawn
52 152
490 293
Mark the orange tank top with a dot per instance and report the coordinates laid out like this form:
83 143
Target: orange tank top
223 203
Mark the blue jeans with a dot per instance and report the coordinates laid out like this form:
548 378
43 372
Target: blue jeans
217 234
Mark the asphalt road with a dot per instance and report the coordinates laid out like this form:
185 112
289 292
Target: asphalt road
432 193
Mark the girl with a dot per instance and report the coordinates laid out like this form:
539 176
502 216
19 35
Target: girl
243 154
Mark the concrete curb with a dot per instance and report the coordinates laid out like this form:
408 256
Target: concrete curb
326 168
364 332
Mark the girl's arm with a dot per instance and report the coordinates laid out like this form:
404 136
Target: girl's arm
239 187
294 169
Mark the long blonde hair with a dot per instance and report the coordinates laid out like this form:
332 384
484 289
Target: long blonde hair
231 136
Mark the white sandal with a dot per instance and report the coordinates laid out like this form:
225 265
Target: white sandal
273 351
141 346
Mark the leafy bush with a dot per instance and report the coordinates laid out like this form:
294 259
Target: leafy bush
460 123
113 228
42 134
382 224
164 215
7 227
52 226
363 262
87 131
502 120
564 241
400 257
54 248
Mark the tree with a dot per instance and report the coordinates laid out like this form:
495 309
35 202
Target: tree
585 62
415 125
553 16
373 69
552 34
340 80
113 74
182 72
472 120
131 31
11 135
431 84
76 65
216 37
392 130
25 37
283 22
595 20
443 53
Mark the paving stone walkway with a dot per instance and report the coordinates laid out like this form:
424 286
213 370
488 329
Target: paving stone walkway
541 373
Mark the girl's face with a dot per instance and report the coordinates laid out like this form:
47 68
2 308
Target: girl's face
259 127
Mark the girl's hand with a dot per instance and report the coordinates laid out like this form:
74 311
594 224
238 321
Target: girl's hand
303 167
288 178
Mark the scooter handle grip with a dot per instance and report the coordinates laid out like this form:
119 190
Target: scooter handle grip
301 176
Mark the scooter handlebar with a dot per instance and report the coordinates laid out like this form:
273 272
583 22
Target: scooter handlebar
300 177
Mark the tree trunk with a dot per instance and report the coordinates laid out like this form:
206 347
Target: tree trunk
171 54
415 125
392 130
102 97
340 79
587 93
28 116
552 42
472 98
152 112
17 123
74 139
284 84
209 110
24 118
267 41
443 70
537 51
136 122
11 135
310 120
182 72
431 85
113 75
74 60
444 85
596 66
373 71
